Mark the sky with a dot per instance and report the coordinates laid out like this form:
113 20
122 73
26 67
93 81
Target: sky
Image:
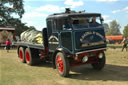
36 11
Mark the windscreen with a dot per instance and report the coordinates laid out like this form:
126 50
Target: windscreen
85 22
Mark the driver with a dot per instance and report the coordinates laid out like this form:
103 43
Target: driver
66 25
93 22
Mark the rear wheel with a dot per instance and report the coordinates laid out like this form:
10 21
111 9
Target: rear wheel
100 64
21 54
62 64
32 56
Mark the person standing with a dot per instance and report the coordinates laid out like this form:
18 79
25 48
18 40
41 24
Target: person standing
8 43
124 43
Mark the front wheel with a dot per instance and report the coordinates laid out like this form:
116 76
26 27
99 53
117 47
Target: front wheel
62 64
100 64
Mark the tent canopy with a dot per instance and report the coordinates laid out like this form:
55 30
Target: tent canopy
6 28
115 37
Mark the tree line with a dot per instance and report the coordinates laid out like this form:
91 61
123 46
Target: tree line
114 29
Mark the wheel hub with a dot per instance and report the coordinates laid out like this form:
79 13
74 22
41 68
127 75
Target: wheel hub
27 57
21 55
59 63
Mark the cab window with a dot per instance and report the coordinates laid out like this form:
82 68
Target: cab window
55 26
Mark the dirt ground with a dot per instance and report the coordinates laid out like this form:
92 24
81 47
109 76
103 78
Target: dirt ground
13 72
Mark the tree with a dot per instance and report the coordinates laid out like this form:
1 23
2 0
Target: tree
106 28
32 27
114 28
125 31
9 7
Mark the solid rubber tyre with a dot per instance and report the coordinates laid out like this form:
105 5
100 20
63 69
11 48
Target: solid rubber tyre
32 57
28 56
100 64
62 64
21 54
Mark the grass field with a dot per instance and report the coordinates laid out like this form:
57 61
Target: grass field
13 72
114 46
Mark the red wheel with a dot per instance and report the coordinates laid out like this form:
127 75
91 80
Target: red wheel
27 57
62 64
21 54
32 56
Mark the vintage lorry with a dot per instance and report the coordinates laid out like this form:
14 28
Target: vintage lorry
70 39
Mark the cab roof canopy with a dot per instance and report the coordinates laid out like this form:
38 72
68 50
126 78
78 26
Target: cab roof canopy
73 14
6 28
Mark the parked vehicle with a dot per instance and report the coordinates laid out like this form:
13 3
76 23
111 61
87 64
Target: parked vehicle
70 39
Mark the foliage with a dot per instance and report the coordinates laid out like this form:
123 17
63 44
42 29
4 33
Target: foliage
125 31
8 7
114 28
8 10
106 28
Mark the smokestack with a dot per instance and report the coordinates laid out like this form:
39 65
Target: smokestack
67 10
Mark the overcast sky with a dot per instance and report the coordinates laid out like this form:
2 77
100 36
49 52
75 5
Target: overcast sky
36 11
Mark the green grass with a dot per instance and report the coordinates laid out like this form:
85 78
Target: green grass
114 46
13 72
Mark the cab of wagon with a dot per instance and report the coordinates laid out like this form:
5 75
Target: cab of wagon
76 32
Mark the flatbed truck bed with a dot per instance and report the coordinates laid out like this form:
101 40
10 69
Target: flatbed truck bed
31 45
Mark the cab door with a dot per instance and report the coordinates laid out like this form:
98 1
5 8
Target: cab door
53 38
